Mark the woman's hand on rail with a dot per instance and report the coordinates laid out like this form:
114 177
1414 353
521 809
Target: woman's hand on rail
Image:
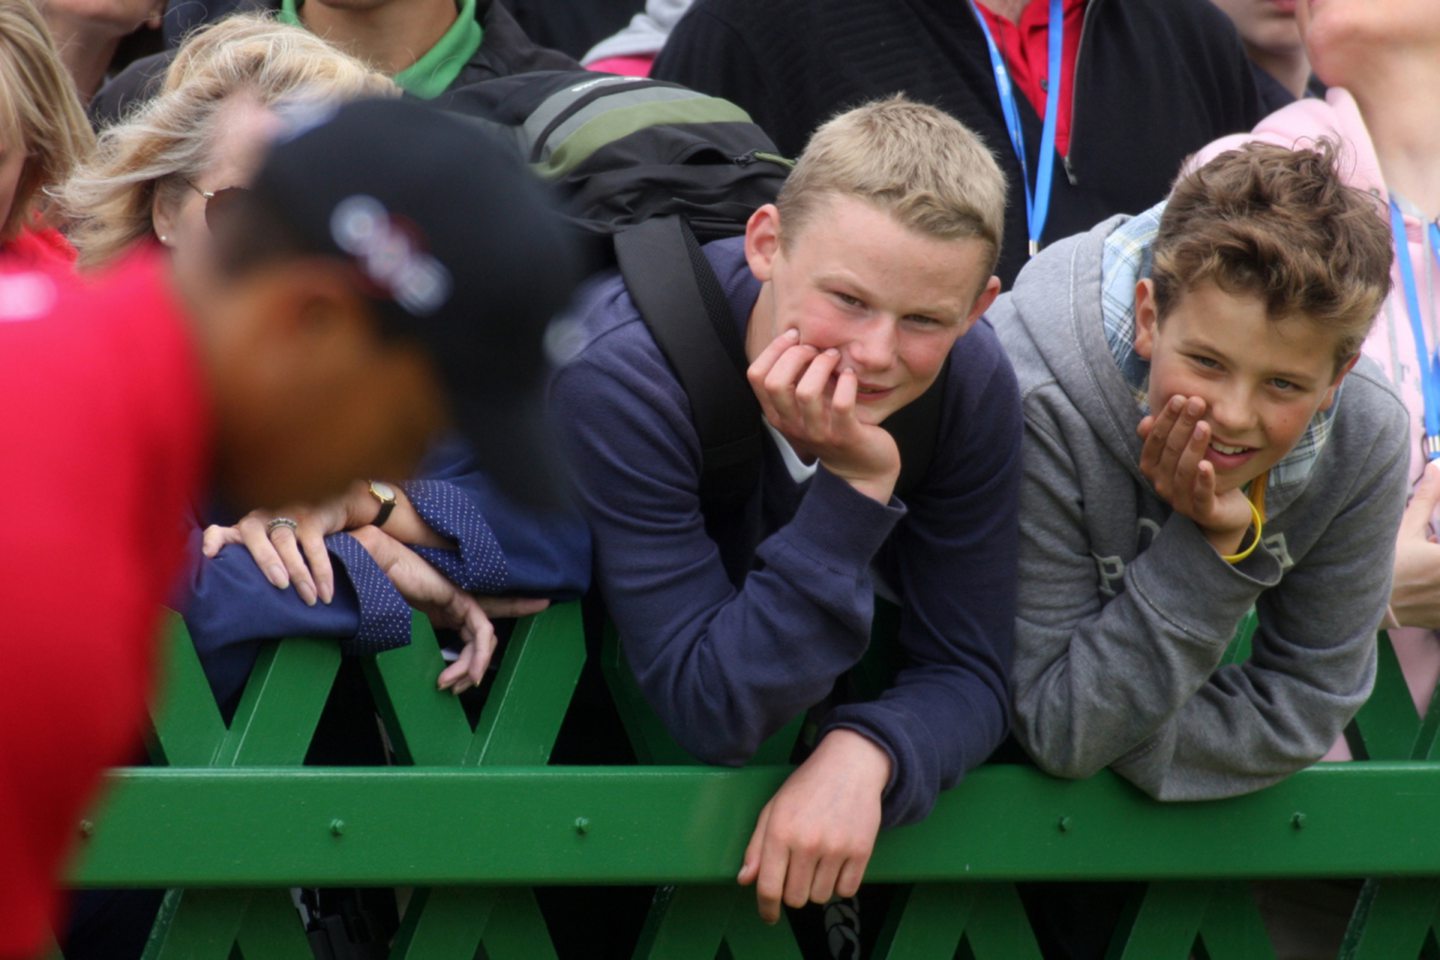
289 555
448 607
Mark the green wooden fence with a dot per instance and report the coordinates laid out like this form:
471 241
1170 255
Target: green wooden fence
477 818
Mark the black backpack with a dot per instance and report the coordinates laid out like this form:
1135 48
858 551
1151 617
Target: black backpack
624 150
653 170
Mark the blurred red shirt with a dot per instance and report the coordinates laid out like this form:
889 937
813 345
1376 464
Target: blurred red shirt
38 246
101 452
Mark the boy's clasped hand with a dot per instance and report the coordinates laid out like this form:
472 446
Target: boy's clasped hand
1173 460
810 398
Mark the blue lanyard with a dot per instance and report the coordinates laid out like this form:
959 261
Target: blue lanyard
1037 202
1428 359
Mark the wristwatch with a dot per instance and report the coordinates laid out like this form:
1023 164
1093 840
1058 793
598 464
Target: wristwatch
386 495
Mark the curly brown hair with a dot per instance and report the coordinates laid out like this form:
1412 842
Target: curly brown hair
1279 225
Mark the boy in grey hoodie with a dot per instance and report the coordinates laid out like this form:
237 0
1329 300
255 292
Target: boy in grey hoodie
1188 454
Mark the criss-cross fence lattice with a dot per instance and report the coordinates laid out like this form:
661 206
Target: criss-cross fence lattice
476 818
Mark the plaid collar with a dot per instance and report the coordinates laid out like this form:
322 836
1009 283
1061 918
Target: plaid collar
1126 259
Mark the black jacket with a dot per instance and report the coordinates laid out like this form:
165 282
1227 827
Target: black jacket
504 51
1155 80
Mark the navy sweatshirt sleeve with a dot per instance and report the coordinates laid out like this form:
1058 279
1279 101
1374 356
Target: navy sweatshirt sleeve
726 667
230 609
952 563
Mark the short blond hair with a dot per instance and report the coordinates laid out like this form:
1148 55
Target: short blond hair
164 142
916 162
39 107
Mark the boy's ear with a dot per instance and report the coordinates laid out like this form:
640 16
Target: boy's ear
1147 318
762 241
1329 399
982 303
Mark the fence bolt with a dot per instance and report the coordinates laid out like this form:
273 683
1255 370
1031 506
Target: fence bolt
582 825
1298 821
337 827
1064 824
87 829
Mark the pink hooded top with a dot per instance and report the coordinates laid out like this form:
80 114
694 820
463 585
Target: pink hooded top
1391 343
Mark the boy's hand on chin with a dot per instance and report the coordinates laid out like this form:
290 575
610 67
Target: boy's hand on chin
1173 460
806 396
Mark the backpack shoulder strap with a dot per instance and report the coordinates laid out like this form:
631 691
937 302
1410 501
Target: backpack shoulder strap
682 303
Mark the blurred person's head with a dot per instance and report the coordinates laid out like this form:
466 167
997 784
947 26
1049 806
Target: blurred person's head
1267 28
391 270
395 35
43 130
88 34
115 17
156 171
1347 39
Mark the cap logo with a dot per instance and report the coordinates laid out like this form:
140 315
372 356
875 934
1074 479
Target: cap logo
388 253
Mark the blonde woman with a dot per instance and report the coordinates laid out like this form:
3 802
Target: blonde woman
43 134
165 173
159 171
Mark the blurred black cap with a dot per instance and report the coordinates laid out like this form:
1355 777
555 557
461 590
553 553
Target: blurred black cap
458 245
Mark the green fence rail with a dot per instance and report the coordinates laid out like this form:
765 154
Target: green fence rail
475 818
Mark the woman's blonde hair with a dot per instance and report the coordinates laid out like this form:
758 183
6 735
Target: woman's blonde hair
39 108
155 149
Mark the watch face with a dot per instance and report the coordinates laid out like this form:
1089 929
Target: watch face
382 490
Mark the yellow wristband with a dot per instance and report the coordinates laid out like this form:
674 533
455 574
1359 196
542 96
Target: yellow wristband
1259 522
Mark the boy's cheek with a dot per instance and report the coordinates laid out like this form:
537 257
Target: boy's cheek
808 316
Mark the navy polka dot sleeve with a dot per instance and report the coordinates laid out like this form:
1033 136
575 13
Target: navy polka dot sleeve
384 614
478 566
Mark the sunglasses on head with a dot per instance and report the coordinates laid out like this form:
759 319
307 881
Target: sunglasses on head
217 201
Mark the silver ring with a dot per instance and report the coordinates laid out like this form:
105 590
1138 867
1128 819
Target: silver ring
280 522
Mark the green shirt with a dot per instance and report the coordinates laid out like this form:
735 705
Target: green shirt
433 73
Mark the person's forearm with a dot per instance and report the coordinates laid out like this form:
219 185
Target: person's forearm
1312 660
1090 690
404 523
724 668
